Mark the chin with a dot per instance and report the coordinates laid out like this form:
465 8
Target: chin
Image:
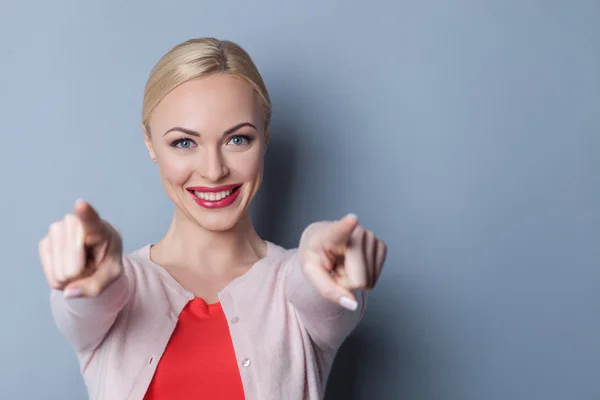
215 223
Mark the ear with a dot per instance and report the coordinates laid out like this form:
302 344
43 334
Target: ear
148 143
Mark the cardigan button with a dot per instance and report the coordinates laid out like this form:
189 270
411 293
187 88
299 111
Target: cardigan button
246 362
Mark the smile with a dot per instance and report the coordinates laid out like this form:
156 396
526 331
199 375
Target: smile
215 197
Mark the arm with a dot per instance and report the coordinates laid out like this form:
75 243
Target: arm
91 280
328 276
85 321
328 323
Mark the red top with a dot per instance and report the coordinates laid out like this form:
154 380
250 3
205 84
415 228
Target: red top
199 361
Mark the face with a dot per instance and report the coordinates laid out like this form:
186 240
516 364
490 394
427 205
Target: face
207 137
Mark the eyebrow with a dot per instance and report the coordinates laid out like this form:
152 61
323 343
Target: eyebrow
194 133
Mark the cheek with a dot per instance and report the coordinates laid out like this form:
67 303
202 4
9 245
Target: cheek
174 170
249 166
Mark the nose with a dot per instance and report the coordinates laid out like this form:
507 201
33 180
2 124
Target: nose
212 165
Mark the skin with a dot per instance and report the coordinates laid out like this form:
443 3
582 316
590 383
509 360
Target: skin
201 241
208 132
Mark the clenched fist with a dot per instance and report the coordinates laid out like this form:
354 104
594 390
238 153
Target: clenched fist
82 254
340 256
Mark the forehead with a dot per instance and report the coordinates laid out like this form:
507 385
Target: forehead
208 104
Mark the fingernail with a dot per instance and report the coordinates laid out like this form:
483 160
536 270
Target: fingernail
348 303
70 293
352 215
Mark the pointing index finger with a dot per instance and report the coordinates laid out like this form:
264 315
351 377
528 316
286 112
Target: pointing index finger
342 229
90 220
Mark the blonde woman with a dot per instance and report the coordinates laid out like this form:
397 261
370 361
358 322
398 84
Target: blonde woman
210 311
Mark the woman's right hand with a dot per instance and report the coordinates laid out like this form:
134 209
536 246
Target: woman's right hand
82 254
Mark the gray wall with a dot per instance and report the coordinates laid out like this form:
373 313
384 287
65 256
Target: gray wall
465 133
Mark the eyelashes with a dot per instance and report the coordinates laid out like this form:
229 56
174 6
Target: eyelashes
179 143
185 143
245 138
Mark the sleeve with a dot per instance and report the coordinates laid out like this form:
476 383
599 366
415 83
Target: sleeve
84 322
327 323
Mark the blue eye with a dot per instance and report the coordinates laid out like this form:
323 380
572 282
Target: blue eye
240 140
183 144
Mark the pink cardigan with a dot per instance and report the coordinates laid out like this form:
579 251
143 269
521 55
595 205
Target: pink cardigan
284 333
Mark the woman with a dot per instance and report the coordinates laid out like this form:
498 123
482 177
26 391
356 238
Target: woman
211 310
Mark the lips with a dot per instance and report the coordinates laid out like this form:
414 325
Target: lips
215 197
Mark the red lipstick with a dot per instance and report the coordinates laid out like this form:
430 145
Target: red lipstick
211 204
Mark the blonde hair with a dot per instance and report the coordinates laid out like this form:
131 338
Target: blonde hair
201 57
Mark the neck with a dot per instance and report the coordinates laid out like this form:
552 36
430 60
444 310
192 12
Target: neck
188 244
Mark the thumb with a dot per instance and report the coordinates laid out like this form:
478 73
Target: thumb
341 230
328 288
91 285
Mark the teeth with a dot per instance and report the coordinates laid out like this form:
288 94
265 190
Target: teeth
213 196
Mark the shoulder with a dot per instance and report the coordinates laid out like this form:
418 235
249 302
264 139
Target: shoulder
279 256
271 268
138 264
151 280
276 251
140 255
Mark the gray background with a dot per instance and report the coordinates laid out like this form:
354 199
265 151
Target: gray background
465 133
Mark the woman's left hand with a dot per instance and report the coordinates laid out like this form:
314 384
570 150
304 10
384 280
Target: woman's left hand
340 256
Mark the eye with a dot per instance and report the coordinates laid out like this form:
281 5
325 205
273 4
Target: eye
183 144
240 140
